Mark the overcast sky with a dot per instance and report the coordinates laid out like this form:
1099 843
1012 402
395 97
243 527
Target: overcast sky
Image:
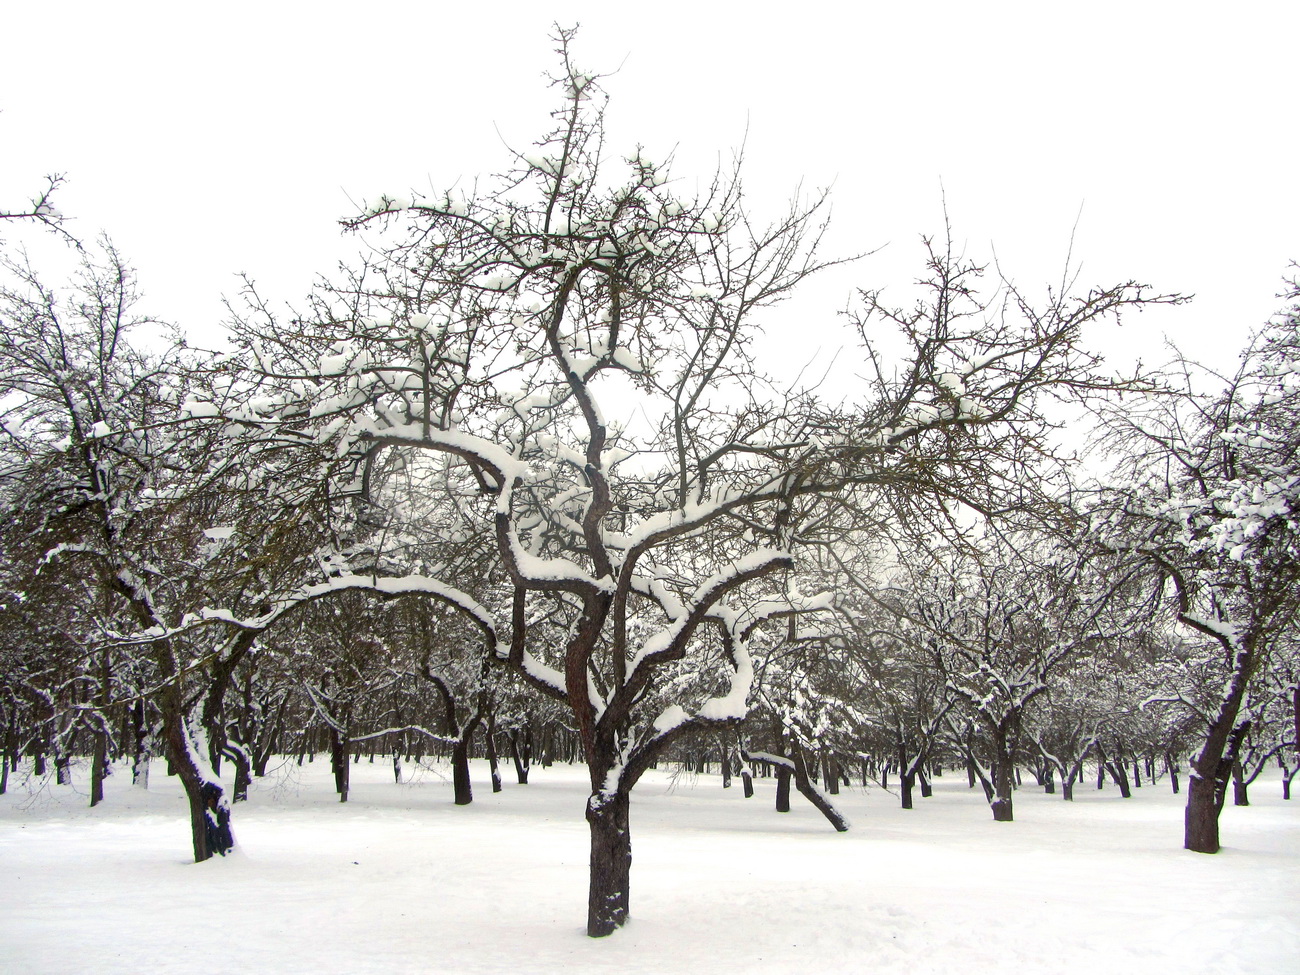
218 138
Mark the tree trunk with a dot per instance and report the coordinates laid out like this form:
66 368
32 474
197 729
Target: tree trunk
725 764
1239 796
747 782
522 757
1049 781
243 770
782 789
1003 781
1171 764
339 762
142 745
831 773
905 788
494 764
1201 818
210 828
810 792
98 764
926 790
611 862
464 793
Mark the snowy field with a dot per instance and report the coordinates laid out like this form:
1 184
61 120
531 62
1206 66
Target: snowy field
400 880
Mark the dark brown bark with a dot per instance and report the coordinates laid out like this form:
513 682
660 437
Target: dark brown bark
210 829
611 863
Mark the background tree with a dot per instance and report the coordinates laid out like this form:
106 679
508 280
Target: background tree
1207 497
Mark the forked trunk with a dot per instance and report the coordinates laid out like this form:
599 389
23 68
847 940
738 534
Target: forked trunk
611 862
210 828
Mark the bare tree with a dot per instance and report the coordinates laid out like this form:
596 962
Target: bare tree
1206 489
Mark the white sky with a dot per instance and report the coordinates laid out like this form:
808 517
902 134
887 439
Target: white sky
218 138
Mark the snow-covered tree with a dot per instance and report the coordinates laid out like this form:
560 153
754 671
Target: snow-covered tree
565 349
1206 493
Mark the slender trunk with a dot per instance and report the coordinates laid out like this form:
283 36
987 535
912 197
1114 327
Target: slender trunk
62 769
494 764
243 770
926 790
905 775
831 774
725 764
747 782
521 756
98 762
1120 776
810 792
1049 781
397 768
1171 764
464 793
141 744
339 762
611 862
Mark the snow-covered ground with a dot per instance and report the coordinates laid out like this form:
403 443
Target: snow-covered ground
400 880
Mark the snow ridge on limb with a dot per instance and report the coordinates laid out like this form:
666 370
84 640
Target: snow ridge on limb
669 643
